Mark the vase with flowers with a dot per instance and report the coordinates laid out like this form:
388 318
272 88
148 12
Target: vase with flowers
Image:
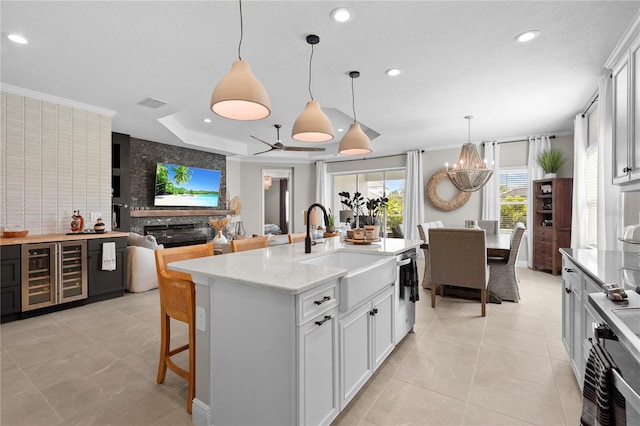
219 225
550 161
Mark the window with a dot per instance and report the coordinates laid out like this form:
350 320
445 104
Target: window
514 187
374 184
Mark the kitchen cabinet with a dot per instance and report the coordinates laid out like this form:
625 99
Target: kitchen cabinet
551 222
366 339
626 115
10 275
572 306
104 285
318 374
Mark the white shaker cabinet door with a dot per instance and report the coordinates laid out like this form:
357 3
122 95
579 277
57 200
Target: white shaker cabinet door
383 326
355 351
318 375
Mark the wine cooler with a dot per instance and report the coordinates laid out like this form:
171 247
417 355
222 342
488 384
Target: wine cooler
53 273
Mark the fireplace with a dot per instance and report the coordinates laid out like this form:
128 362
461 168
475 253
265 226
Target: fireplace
180 234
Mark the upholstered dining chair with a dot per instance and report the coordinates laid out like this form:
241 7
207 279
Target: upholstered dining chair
177 301
490 226
458 257
423 229
296 238
249 244
504 280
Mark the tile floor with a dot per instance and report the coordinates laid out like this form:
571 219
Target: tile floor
96 365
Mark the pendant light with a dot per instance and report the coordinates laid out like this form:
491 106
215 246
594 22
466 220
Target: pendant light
355 141
312 125
470 173
239 95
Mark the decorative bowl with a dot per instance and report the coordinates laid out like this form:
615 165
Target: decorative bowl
15 234
631 233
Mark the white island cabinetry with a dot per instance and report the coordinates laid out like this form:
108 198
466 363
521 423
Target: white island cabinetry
273 345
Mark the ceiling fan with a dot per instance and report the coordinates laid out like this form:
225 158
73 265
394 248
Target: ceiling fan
279 146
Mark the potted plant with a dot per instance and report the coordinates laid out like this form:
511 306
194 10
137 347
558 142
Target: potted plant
375 208
353 206
550 161
331 226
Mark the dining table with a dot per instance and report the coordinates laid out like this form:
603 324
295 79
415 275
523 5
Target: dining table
498 245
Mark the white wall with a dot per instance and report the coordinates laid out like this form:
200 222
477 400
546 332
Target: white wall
249 175
54 159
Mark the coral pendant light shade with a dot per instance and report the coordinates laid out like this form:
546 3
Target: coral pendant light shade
312 125
240 96
355 142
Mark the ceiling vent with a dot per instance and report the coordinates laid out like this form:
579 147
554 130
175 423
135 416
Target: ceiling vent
152 103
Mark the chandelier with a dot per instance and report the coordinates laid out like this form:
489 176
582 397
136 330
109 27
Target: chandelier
470 173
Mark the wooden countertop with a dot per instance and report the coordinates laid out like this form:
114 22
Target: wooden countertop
29 239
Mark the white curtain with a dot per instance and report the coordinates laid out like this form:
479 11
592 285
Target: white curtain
321 183
491 191
536 146
608 194
414 196
579 216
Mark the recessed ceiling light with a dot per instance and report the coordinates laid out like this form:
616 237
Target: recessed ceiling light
341 14
527 36
17 39
206 120
392 72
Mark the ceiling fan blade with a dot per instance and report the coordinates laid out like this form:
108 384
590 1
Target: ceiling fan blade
302 148
266 143
262 152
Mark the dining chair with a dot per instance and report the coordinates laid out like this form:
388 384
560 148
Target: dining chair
503 279
177 301
458 257
423 229
296 238
249 244
490 226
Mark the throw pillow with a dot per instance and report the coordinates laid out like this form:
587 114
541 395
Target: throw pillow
147 241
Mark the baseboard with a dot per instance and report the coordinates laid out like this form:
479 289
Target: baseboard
201 413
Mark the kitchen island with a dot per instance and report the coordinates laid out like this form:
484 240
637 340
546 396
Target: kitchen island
274 342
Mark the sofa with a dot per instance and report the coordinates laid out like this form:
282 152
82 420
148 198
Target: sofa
141 262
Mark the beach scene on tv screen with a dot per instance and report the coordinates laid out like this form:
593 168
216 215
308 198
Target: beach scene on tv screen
186 186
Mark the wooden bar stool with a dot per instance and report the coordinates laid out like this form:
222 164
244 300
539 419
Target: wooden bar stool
249 244
296 238
177 301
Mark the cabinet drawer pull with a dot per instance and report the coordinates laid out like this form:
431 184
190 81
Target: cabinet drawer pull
569 270
567 290
324 299
626 170
326 318
373 311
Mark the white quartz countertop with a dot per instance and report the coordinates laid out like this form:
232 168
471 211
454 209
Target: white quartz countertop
279 267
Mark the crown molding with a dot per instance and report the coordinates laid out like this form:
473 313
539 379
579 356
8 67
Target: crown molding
55 99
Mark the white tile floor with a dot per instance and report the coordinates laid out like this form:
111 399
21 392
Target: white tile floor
97 364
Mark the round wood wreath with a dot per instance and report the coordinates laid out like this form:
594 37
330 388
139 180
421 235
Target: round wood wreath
445 205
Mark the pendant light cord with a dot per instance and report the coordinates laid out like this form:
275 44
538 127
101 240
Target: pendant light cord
241 30
310 60
353 101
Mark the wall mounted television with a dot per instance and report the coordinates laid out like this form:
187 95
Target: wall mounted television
183 186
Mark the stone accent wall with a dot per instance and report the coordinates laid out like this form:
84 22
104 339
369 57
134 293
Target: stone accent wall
144 157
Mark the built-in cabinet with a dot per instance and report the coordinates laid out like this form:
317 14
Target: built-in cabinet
10 276
626 115
106 284
578 317
47 275
366 338
120 181
551 222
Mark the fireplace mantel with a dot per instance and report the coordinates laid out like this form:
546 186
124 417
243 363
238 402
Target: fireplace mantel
201 212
